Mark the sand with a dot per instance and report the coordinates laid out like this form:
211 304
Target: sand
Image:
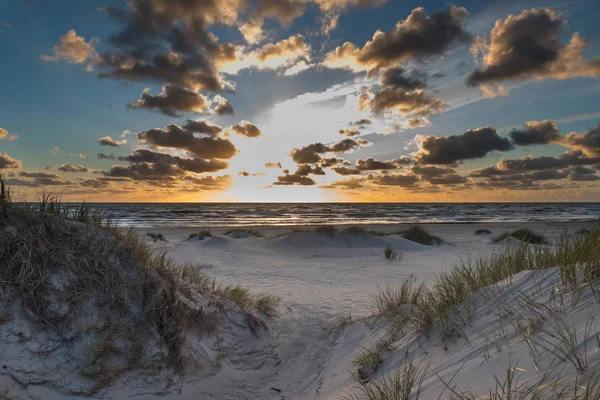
323 278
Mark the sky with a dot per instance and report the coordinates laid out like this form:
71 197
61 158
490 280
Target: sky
301 100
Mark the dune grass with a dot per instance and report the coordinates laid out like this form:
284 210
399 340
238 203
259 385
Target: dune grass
355 229
483 232
524 235
45 258
249 231
418 234
326 229
577 256
200 235
390 253
157 237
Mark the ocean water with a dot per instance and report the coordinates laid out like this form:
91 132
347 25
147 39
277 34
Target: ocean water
247 214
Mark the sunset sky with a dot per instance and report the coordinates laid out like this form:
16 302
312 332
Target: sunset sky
301 100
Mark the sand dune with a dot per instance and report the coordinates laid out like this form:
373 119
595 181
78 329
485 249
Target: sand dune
325 322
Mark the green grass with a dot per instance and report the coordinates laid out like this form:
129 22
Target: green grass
418 234
483 232
157 237
391 298
524 235
200 235
390 253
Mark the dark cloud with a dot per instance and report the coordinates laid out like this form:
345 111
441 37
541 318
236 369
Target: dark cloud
108 141
395 180
26 174
305 170
203 127
535 132
405 103
396 77
472 144
146 164
417 36
417 122
370 164
347 171
311 154
289 180
528 45
7 162
224 108
360 122
175 137
245 128
531 164
172 100
106 156
72 168
588 142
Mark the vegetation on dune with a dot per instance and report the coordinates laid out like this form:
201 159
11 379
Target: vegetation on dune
483 232
144 302
237 232
446 309
390 253
200 235
417 233
355 229
326 229
524 235
157 237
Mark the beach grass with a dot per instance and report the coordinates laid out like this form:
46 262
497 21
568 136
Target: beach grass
201 235
483 232
524 235
237 231
390 253
157 237
418 234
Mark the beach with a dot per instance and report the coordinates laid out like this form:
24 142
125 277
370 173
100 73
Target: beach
325 278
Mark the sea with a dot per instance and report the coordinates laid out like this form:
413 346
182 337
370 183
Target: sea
196 215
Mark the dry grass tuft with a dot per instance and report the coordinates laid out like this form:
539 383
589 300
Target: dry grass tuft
418 234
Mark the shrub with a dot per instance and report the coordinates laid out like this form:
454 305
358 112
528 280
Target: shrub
417 233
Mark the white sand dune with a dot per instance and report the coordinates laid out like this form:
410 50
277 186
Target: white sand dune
322 278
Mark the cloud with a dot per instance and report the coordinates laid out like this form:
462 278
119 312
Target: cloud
405 103
7 162
172 100
287 55
271 164
588 142
395 180
311 154
105 156
73 49
203 127
535 133
347 171
528 45
245 128
447 150
175 137
72 168
417 36
108 141
305 170
26 174
396 77
370 164
292 179
148 165
223 107
349 132
417 122
5 135
54 150
361 122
